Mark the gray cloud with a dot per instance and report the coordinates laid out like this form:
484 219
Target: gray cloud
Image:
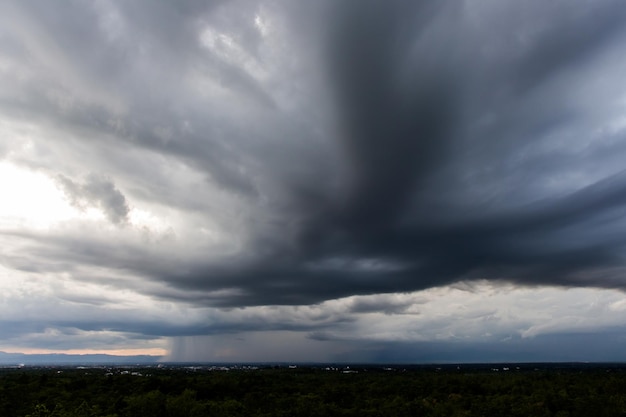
596 347
449 131
381 305
286 153
97 192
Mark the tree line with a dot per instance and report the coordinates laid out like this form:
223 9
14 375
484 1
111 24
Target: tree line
310 392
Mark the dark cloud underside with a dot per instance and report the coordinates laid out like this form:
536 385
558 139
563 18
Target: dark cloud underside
467 140
453 121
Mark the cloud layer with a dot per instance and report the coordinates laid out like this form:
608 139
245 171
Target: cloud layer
213 161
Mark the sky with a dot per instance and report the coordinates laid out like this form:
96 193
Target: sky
332 181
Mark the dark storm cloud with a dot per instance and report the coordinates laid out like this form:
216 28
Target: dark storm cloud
468 140
158 328
393 134
453 121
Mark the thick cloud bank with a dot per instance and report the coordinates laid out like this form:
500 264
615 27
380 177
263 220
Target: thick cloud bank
245 154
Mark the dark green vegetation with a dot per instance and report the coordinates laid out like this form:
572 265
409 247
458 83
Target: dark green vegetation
179 392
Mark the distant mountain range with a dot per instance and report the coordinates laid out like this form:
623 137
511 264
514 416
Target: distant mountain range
8 359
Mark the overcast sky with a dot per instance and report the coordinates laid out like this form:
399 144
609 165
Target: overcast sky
347 180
